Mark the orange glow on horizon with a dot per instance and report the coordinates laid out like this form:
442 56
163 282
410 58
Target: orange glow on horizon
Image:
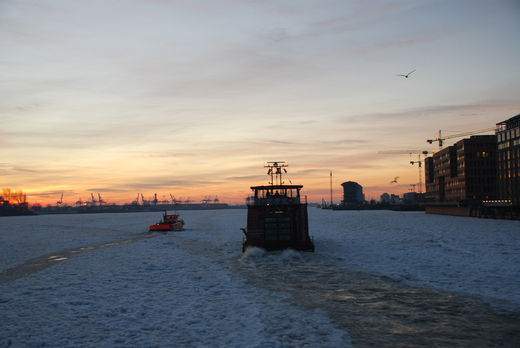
315 188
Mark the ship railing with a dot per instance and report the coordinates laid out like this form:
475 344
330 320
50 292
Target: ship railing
277 200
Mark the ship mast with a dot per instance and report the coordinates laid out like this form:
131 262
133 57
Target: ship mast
275 171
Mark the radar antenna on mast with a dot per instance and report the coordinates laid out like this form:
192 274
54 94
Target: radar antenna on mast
275 171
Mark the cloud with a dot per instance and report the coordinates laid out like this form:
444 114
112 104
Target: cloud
8 169
431 110
245 178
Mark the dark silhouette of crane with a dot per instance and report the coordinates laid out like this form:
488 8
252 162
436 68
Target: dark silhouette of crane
60 202
93 200
419 160
145 202
100 200
441 138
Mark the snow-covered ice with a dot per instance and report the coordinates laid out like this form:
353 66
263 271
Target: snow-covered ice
195 288
476 256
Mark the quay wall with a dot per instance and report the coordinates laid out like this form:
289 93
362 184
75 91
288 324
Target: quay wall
508 213
448 210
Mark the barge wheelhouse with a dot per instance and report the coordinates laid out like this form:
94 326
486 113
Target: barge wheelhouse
277 215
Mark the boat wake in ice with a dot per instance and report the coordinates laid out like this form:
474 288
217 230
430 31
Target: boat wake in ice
380 311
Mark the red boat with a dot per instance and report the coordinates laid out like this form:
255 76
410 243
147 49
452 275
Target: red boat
170 222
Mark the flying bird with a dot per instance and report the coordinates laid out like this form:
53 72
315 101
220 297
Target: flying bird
394 181
406 76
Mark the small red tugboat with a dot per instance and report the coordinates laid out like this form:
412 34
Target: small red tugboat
277 215
170 222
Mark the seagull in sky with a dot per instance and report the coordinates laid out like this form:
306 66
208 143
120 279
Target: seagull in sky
406 76
394 181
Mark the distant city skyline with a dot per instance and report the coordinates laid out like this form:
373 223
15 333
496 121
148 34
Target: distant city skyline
193 98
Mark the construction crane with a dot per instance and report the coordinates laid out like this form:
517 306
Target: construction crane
442 138
419 160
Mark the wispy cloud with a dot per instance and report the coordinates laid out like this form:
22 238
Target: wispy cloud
432 110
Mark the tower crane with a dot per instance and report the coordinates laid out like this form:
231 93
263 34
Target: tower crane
441 138
419 160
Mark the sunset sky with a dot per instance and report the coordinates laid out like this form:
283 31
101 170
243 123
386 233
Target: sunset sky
192 98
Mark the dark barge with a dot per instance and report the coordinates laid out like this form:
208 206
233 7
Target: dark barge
277 215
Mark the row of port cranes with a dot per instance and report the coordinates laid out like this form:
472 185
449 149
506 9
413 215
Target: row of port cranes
139 201
93 202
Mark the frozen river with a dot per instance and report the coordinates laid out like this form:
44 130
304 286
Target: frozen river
377 278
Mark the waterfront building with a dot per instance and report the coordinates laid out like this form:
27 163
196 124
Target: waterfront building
464 173
413 197
508 139
395 199
352 193
385 198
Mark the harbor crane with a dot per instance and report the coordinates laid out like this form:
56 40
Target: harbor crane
419 160
145 202
60 202
136 201
100 200
442 138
